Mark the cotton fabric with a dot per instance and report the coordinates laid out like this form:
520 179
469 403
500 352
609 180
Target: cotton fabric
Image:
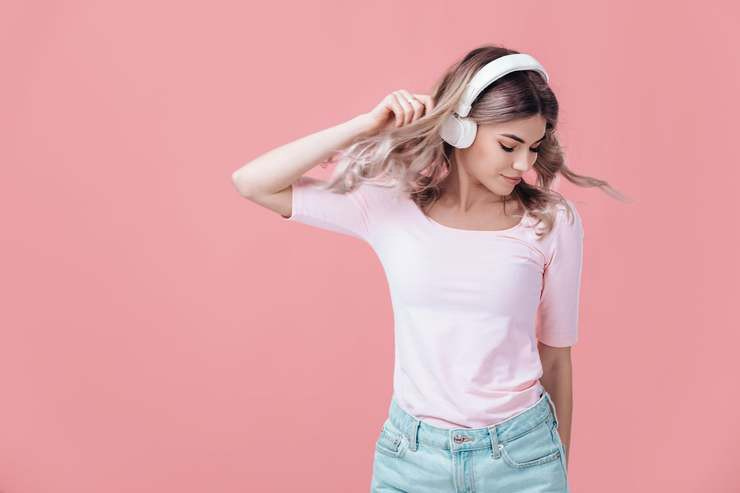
468 305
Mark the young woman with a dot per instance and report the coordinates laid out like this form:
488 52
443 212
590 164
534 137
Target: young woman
484 268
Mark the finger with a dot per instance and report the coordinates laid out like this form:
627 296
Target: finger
416 105
427 100
405 106
408 110
424 108
396 109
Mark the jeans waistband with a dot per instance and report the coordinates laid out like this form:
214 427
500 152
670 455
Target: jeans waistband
417 431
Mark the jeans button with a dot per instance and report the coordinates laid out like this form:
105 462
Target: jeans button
461 439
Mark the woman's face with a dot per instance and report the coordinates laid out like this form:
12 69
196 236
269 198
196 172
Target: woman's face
502 149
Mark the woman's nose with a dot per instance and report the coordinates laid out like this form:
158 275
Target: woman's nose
522 166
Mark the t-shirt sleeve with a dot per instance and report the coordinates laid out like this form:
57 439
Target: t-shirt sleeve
349 213
557 321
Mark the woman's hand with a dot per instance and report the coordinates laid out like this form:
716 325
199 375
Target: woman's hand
397 109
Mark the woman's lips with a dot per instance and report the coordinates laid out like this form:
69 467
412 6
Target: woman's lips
512 180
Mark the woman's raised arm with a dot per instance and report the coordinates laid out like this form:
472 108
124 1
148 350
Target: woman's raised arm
266 180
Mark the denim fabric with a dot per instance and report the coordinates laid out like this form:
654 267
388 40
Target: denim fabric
522 454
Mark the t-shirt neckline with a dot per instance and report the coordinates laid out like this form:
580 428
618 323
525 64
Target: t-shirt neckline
443 227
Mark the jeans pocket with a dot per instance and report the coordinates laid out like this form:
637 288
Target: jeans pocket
391 441
533 447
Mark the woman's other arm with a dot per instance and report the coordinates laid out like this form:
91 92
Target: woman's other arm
557 378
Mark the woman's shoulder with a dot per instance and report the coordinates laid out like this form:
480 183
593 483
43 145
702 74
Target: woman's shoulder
569 216
568 224
565 222
384 190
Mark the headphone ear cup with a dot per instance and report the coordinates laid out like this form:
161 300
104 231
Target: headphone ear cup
469 130
450 130
458 132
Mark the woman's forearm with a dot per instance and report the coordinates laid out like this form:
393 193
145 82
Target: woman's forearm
282 166
557 380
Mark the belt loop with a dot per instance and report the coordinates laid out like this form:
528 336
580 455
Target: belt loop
493 433
413 435
552 406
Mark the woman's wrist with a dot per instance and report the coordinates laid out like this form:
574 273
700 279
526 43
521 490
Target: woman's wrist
363 125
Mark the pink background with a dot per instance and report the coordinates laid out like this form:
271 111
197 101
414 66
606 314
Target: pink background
161 333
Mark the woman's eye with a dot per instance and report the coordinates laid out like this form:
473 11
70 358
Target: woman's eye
511 149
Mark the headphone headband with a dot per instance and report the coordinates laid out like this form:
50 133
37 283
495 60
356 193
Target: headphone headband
493 71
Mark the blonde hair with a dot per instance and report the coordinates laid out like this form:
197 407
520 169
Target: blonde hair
416 159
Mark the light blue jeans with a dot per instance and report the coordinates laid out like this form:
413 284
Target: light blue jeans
522 454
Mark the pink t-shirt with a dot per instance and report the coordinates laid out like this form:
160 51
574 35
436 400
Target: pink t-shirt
468 305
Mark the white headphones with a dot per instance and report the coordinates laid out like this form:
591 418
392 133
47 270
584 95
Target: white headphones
458 130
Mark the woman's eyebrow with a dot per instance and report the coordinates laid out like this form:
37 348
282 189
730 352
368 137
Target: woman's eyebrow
519 139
